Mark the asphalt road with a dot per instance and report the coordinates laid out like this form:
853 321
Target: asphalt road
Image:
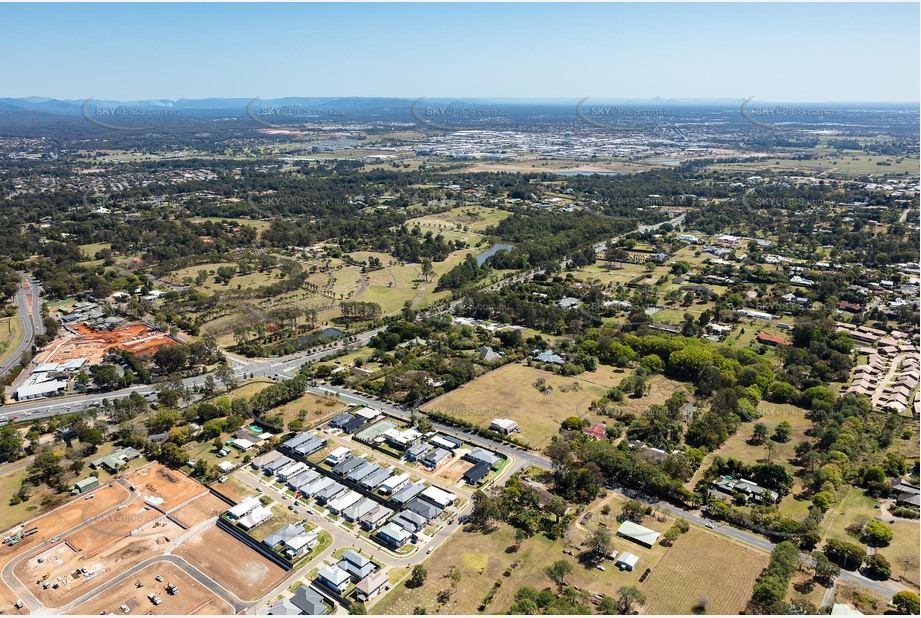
32 323
281 368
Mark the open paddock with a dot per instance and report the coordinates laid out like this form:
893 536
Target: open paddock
509 392
192 598
231 563
163 487
702 570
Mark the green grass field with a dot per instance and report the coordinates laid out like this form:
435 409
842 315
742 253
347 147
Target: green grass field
10 335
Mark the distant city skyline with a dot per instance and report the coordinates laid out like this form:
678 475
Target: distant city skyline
808 52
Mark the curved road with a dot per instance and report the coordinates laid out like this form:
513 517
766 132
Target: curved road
29 306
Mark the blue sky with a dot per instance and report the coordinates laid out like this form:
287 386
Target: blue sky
774 52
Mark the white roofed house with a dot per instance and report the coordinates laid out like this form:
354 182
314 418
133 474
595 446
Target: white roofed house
438 497
255 517
301 544
237 511
503 425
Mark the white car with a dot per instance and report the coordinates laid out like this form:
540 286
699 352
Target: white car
429 550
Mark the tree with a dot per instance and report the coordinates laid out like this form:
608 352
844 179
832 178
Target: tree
825 570
600 541
627 597
10 443
357 608
173 455
557 507
46 467
427 269
558 571
171 358
417 577
633 511
226 376
906 603
877 534
877 567
608 606
759 434
782 432
846 555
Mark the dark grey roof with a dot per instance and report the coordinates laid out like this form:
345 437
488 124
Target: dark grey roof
373 480
425 509
309 601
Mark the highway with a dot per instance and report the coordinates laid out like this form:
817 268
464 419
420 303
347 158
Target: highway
281 368
27 295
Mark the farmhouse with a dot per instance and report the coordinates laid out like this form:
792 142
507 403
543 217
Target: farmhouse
773 340
750 491
638 534
114 462
503 425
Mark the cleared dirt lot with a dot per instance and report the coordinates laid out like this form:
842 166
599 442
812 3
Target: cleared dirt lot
163 487
114 558
200 509
66 517
93 345
231 563
192 598
112 527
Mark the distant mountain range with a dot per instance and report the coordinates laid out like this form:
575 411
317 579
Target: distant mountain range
371 105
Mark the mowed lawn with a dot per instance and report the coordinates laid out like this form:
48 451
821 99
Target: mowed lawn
904 545
509 392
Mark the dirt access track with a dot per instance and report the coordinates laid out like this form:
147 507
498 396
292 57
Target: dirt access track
231 563
84 342
192 597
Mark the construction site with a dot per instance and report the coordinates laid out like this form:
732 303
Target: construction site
122 535
83 342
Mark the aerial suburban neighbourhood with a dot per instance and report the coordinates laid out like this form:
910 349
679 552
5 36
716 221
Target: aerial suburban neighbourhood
372 354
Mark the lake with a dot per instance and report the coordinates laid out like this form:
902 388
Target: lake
482 257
